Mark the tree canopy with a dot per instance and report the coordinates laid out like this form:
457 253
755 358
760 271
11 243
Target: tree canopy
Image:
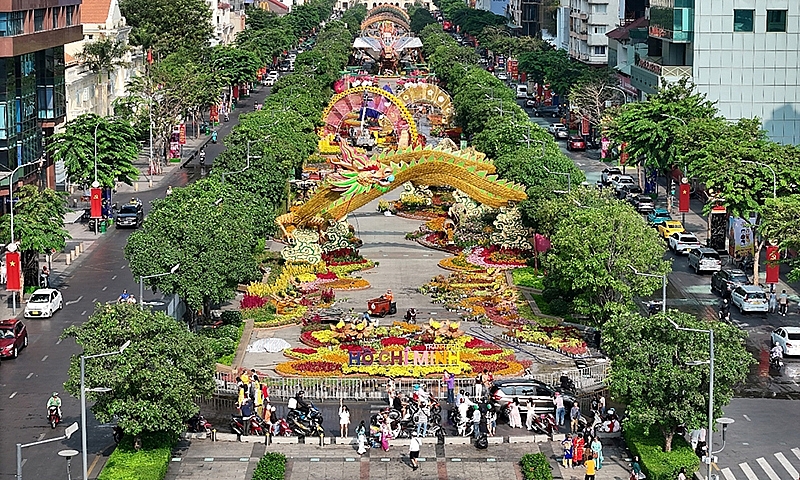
153 382
552 67
169 25
652 375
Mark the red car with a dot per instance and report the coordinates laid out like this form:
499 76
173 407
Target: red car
576 142
13 337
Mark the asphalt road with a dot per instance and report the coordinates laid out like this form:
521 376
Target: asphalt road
28 381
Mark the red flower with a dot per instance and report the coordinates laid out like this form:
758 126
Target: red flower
309 340
394 341
304 351
327 276
419 348
491 351
478 343
252 301
316 366
356 348
479 366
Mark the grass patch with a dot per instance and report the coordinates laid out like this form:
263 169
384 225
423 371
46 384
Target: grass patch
149 463
526 277
525 311
534 466
543 305
223 341
657 464
272 466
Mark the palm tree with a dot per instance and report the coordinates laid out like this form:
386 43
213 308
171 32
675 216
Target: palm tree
104 55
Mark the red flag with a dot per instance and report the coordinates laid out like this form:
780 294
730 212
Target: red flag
97 202
623 157
683 200
150 56
13 272
773 266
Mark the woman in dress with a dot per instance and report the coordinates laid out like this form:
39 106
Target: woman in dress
361 433
579 445
344 420
597 448
567 446
386 434
514 418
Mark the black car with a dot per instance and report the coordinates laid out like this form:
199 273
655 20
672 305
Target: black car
628 191
548 111
724 281
642 203
130 215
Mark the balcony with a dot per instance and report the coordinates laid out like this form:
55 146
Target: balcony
578 14
648 75
582 35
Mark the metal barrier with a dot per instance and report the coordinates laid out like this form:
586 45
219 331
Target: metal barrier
374 389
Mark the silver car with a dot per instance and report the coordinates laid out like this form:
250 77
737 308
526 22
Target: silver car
505 391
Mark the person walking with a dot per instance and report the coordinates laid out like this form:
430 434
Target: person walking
344 419
590 468
783 303
601 403
491 421
413 450
773 302
529 414
361 434
390 387
386 434
578 448
597 450
574 417
560 411
636 469
476 421
514 419
423 414
567 446
682 474
450 380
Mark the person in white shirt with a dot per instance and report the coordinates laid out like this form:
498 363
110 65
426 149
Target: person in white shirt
344 419
560 410
413 450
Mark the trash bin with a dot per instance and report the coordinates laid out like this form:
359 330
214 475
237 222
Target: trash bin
103 226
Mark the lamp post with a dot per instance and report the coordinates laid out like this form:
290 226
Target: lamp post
83 399
774 176
663 285
624 93
67 434
144 277
527 140
567 174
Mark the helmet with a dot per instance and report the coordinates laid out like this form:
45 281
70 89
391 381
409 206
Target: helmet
301 393
55 394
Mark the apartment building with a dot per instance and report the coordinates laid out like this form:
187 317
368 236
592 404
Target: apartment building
589 21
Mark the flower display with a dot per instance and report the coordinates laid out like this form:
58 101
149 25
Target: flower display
389 341
566 340
493 256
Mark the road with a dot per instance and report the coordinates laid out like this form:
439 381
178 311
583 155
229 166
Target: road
27 382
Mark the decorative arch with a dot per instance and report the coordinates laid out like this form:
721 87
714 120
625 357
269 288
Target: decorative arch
352 100
430 94
387 8
385 17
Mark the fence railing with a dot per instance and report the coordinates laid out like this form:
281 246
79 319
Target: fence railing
374 389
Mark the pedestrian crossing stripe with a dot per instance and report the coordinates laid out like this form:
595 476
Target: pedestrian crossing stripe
762 462
788 466
796 452
767 468
751 475
728 474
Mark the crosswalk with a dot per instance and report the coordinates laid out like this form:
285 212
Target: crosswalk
784 470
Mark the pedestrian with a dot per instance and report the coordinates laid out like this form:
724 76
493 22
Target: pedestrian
597 450
566 444
773 302
574 417
397 403
386 434
390 386
694 439
450 380
255 391
423 414
560 411
636 469
3 271
491 421
169 190
361 434
413 450
682 474
514 419
476 421
578 448
701 444
479 386
344 419
602 403
783 302
590 467
529 414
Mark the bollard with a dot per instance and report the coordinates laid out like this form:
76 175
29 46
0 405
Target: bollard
83 246
77 252
268 438
322 440
135 186
66 257
214 435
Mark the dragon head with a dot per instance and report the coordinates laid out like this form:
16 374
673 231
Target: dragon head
358 172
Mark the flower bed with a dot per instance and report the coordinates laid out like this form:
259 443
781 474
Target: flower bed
459 263
348 284
494 257
565 340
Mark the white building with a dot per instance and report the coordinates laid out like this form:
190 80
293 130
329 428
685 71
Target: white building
87 91
589 20
743 54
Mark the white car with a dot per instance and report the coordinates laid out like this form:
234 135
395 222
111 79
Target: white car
43 303
750 298
502 76
788 338
553 127
620 181
683 242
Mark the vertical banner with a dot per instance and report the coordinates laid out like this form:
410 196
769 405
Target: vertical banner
13 272
623 156
584 126
683 199
96 204
182 134
773 265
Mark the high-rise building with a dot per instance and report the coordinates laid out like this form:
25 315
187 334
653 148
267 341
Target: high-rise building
743 54
589 21
32 91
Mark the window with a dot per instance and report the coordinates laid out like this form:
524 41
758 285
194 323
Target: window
599 50
602 8
776 20
70 14
11 23
38 19
55 13
600 30
743 20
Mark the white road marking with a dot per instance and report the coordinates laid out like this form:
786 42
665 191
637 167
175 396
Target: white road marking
726 472
94 300
749 473
796 452
41 436
29 376
105 288
75 301
114 277
59 341
12 395
122 267
44 358
767 468
788 466
83 313
747 418
24 461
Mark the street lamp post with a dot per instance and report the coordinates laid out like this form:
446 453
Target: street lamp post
144 277
83 399
774 175
624 93
663 285
67 434
567 174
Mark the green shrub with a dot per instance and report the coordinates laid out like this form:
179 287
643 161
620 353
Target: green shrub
526 277
260 315
272 466
231 317
223 340
542 303
559 307
535 466
149 463
657 464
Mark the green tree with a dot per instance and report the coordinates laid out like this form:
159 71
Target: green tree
473 21
552 67
207 229
169 25
651 374
779 224
38 226
420 19
266 43
235 65
154 382
104 55
594 248
116 149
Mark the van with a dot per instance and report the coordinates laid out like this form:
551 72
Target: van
522 91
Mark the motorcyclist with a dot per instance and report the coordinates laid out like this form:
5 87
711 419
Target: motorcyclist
55 401
301 405
202 156
123 297
411 315
725 309
776 352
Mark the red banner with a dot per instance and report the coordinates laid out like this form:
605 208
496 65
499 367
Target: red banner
683 198
773 266
97 202
623 157
182 134
13 272
584 126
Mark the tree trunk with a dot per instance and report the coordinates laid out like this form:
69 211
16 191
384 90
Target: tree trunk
668 440
756 257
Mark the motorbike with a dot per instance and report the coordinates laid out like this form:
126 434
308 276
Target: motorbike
214 137
199 424
776 363
304 424
252 425
281 429
52 417
567 384
411 315
724 314
545 423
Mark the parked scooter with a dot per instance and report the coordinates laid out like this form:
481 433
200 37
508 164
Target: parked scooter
305 424
776 363
199 424
252 425
214 136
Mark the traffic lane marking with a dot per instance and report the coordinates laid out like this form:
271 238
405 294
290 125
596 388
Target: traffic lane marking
12 395
788 466
72 302
767 468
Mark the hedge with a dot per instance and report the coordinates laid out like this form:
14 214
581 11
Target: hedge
535 466
149 463
657 464
272 466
